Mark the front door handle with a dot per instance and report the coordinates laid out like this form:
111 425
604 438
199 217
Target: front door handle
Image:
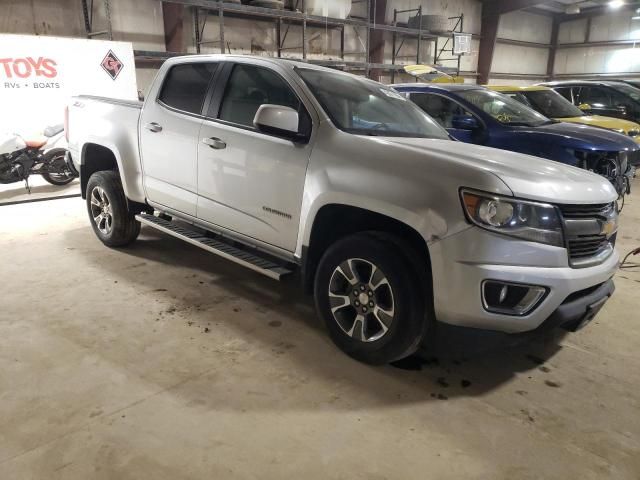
214 142
153 127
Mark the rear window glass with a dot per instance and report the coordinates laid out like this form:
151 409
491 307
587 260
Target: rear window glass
185 86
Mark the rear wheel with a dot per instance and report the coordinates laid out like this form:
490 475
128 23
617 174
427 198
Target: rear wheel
58 172
112 222
371 299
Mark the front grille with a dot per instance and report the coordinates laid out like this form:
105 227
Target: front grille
599 210
587 246
583 225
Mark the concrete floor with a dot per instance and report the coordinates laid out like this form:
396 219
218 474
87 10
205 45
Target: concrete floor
40 189
162 362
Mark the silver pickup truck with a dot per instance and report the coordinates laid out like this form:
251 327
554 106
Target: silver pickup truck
285 167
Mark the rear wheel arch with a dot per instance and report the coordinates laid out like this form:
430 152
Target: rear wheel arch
95 158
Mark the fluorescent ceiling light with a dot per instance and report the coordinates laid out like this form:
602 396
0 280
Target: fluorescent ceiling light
616 3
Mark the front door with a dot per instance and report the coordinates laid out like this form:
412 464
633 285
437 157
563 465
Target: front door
599 101
248 181
169 129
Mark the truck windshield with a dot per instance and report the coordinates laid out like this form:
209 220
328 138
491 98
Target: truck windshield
504 109
551 104
364 107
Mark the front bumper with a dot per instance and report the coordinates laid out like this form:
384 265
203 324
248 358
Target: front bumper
461 262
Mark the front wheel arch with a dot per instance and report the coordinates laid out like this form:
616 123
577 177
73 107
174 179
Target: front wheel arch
335 221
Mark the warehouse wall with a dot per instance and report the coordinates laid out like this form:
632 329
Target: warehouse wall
258 38
139 22
470 9
512 59
603 59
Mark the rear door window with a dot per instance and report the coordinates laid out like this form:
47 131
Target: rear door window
185 86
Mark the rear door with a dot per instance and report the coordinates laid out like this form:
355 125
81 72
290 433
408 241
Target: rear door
169 129
249 181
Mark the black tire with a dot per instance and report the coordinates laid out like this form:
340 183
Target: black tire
65 176
106 188
373 344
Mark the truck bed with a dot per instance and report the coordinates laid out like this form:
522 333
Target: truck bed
111 123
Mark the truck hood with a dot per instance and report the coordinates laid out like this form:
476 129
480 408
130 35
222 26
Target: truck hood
576 136
526 176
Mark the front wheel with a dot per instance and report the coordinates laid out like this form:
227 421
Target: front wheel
371 299
110 218
58 172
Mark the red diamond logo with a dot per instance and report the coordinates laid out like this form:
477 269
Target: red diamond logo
112 65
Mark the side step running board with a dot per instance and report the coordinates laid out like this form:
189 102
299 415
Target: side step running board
222 249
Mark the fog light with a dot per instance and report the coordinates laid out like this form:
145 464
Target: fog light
511 298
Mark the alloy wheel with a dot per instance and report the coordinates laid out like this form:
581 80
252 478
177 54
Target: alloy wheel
101 210
361 300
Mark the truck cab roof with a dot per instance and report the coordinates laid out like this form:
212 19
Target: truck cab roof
220 57
572 83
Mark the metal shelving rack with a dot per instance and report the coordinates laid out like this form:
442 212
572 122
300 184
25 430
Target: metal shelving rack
437 57
87 13
283 19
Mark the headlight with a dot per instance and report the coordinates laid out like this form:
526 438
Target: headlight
535 222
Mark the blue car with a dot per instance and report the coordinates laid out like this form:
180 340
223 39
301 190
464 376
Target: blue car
474 114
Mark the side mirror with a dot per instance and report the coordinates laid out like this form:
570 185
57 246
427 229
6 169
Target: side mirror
584 106
465 122
277 120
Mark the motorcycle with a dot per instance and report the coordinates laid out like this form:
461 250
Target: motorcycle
21 157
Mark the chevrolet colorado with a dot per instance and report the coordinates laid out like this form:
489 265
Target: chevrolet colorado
286 167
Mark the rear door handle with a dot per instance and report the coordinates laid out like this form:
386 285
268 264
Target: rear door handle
214 142
153 127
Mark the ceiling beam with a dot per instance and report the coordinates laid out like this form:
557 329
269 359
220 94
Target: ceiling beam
491 12
598 11
500 7
540 11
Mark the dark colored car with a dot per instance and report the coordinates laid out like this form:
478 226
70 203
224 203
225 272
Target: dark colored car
611 99
633 83
474 114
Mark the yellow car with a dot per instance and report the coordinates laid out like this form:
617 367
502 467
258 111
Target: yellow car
553 105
